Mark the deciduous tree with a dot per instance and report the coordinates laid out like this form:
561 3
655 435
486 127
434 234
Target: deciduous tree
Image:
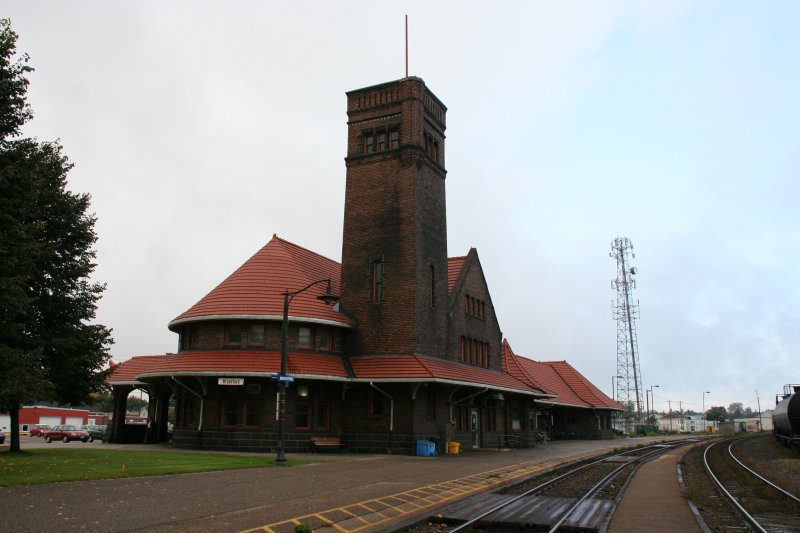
717 413
49 349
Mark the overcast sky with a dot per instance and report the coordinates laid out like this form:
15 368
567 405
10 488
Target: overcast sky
200 129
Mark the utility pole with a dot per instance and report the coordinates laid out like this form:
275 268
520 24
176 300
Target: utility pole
670 415
760 421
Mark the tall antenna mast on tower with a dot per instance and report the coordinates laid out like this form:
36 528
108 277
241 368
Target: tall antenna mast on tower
625 312
406 46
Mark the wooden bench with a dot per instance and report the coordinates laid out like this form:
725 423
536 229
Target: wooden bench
322 443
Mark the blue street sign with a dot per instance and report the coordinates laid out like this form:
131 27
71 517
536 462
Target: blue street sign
285 379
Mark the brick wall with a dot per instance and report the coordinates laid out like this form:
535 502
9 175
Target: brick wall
483 328
395 212
212 336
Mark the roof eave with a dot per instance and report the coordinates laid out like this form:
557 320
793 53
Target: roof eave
234 373
276 318
560 404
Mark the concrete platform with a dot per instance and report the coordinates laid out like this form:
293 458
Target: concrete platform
653 501
355 492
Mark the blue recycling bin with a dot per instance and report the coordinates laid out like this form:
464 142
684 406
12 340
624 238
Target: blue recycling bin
426 448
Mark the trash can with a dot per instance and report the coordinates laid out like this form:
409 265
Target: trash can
453 447
426 448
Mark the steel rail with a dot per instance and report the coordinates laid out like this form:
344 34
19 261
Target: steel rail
546 484
747 515
538 488
759 476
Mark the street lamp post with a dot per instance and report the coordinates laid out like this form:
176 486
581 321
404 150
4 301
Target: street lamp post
652 401
282 378
704 410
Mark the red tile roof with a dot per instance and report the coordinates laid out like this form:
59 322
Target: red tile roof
559 378
255 289
228 363
454 267
379 368
125 372
511 364
582 387
422 368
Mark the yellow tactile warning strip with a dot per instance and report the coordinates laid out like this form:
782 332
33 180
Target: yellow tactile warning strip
363 515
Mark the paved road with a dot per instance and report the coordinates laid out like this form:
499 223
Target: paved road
241 499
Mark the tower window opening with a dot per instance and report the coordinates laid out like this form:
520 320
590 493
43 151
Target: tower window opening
378 140
432 285
431 146
376 287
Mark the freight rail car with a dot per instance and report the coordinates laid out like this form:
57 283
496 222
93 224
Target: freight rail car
786 416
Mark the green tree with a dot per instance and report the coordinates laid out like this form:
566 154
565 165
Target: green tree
736 410
49 350
717 413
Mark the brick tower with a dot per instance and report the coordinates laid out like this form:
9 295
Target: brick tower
394 247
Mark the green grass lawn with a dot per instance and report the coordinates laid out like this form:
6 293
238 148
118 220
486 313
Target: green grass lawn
47 466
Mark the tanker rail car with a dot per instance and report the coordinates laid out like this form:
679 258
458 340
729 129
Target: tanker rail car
786 416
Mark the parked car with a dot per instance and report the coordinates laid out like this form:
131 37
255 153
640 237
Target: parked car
66 433
37 429
2 437
95 432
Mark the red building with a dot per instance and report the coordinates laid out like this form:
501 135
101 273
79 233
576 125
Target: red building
52 416
413 349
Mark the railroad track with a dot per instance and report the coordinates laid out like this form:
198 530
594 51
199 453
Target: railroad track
583 497
764 504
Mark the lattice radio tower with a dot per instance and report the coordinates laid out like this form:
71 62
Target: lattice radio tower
625 312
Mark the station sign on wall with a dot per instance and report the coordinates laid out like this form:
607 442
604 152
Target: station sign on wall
230 381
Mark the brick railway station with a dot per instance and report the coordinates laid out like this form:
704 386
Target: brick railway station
411 351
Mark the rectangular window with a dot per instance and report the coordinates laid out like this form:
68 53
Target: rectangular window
377 282
431 411
233 334
462 356
382 141
255 336
369 144
324 416
375 404
304 338
323 339
516 420
252 413
188 411
462 419
394 139
491 419
230 413
302 419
